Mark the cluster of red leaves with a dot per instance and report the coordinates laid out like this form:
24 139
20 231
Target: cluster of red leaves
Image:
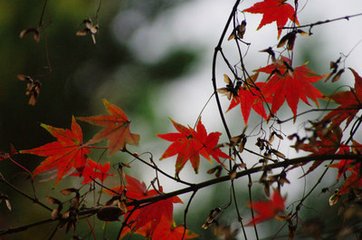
327 137
93 170
350 169
274 11
189 144
268 209
153 220
350 103
284 84
69 153
324 141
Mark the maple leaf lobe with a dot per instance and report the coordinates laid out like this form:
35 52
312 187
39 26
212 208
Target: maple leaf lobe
189 144
290 85
116 128
65 154
267 209
274 11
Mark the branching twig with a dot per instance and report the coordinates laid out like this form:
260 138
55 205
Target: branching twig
311 25
34 200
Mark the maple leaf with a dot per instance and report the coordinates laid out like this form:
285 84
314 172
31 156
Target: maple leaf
168 231
66 153
94 170
267 209
249 97
324 141
351 169
188 144
343 164
274 11
350 103
116 128
291 85
144 220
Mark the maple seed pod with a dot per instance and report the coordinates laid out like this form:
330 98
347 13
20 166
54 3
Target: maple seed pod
31 30
338 75
109 213
213 215
5 198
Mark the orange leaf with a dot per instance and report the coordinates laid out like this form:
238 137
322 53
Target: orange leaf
274 11
267 209
66 153
116 128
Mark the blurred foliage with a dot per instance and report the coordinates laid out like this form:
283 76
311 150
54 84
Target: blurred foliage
73 72
75 75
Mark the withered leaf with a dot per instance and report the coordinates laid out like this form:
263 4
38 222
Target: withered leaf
238 31
32 88
31 30
338 75
213 215
89 29
109 213
5 198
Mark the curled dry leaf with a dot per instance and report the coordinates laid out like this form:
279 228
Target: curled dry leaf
213 216
230 91
89 29
5 198
32 88
217 170
31 30
109 213
56 211
238 31
68 191
338 75
271 53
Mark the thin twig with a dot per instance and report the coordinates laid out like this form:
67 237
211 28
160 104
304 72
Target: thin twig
311 25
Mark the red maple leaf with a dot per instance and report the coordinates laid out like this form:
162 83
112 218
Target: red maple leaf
350 103
351 169
291 85
267 209
94 170
188 144
168 231
274 11
344 164
325 141
116 128
249 97
65 154
145 219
